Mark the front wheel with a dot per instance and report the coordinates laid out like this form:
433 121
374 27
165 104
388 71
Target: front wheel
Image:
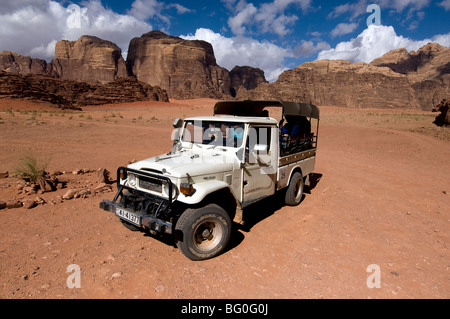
205 232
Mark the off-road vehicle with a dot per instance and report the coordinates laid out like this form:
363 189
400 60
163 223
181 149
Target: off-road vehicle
218 165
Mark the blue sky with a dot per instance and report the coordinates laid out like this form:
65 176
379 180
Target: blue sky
273 35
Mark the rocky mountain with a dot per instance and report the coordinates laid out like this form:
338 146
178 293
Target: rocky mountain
16 63
172 67
398 79
245 78
89 71
185 68
339 82
427 70
89 59
74 94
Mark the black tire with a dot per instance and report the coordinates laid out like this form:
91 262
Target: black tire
294 192
205 232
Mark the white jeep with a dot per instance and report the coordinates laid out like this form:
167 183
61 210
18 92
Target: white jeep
218 165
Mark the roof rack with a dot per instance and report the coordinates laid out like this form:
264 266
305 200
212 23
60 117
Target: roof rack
255 107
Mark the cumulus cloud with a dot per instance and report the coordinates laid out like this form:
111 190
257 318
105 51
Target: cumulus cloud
445 4
375 41
267 18
242 50
307 48
145 9
33 27
343 28
243 17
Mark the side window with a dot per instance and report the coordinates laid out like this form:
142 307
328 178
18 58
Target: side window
193 132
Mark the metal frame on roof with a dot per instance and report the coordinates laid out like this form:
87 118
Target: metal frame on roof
254 108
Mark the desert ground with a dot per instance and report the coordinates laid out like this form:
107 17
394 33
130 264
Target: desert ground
380 196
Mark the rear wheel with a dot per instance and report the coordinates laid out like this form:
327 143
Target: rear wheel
205 232
294 192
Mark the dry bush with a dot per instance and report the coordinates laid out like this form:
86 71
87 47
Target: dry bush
30 168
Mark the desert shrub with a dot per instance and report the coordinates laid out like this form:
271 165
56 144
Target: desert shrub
30 168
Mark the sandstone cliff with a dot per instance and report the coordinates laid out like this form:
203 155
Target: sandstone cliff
73 94
185 68
339 82
89 59
428 71
245 78
16 63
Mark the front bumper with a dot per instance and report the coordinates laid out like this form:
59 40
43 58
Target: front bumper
139 219
148 211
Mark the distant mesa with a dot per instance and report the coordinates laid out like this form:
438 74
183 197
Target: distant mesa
161 66
398 79
15 63
89 59
427 70
244 78
89 71
185 68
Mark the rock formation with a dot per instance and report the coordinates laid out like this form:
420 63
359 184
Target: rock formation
185 68
16 63
73 94
428 71
89 71
339 82
95 71
89 59
245 78
443 119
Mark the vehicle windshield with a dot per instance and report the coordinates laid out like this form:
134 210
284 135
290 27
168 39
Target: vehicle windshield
216 133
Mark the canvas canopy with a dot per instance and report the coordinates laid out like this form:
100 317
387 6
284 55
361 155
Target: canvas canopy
254 108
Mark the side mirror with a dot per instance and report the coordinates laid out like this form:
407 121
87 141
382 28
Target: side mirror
176 135
177 123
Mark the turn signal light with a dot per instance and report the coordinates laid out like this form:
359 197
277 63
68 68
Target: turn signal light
186 189
122 174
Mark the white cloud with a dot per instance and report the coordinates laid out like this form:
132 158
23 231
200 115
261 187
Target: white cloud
180 9
267 18
357 9
34 29
375 41
241 51
237 22
445 4
307 48
343 28
400 5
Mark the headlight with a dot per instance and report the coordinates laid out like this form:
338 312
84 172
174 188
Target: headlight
166 187
131 180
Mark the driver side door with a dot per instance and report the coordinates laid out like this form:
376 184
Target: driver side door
259 170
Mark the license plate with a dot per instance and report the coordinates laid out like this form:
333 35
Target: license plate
128 216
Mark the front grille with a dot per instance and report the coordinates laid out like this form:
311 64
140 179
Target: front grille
151 184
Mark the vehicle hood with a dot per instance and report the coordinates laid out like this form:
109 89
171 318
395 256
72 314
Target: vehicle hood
189 162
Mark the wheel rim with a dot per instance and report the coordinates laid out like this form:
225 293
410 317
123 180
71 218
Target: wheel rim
298 190
207 235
